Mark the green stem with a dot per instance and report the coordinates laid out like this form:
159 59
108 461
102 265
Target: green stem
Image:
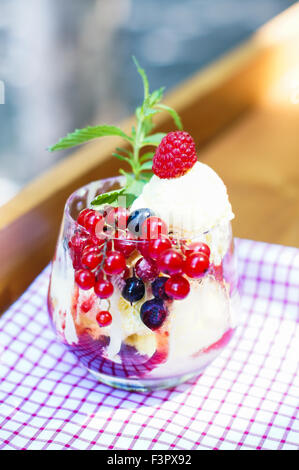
137 145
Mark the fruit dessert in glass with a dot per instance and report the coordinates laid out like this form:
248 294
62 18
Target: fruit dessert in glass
143 287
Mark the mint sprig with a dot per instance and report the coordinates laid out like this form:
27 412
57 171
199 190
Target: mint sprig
80 136
140 138
107 198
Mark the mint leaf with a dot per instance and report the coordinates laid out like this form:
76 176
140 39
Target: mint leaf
154 139
146 166
128 152
143 75
107 198
122 157
124 196
173 114
88 133
156 96
151 112
147 125
147 156
147 176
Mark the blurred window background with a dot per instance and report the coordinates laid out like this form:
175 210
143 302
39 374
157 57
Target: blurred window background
66 64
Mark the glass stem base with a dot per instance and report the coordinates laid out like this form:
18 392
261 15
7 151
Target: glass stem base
146 385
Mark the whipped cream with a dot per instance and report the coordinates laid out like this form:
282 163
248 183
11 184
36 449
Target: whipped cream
191 204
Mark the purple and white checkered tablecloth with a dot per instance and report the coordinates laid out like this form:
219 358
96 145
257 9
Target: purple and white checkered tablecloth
246 399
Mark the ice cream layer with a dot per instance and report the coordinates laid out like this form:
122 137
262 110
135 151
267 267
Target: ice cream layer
199 320
197 323
190 204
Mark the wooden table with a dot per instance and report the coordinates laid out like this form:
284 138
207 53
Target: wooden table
243 112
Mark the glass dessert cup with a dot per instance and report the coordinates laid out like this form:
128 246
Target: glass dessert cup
128 354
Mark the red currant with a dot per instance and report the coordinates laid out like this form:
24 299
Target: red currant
177 287
92 249
143 248
85 279
78 242
196 265
91 257
218 272
86 305
125 243
175 243
99 276
158 246
197 247
106 210
153 227
146 269
93 240
104 318
107 245
170 262
103 232
118 217
76 261
81 216
94 221
103 289
114 263
126 273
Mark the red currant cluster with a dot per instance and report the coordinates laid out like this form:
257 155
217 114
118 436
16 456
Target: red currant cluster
94 257
107 239
193 261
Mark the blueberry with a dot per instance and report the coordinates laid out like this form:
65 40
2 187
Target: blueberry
158 288
137 218
153 313
133 289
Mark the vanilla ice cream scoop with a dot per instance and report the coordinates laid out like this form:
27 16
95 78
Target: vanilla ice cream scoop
190 204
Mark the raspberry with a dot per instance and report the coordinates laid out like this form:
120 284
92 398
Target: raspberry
175 155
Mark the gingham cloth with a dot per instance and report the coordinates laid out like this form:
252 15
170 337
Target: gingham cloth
246 399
